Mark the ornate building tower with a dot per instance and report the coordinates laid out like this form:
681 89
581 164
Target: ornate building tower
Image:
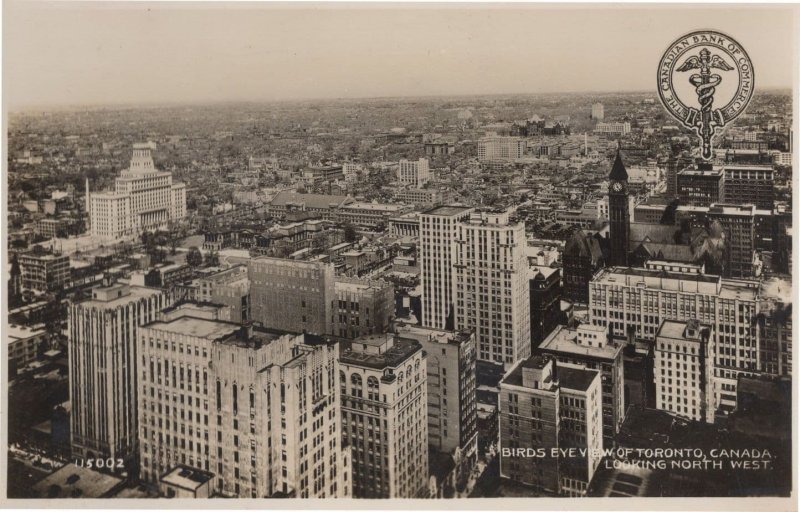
618 213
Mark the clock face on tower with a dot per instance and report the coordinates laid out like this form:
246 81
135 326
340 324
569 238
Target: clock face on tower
617 187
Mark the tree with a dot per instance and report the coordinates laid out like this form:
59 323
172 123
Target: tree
56 314
194 257
172 235
212 259
350 234
669 217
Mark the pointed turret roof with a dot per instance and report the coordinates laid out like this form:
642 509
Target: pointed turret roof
618 171
583 246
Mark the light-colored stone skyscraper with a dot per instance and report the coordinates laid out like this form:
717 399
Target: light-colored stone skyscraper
490 275
102 369
257 408
437 234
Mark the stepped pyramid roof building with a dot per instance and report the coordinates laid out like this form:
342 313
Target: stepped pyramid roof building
143 199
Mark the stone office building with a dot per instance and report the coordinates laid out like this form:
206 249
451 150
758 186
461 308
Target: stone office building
294 296
102 368
257 408
385 416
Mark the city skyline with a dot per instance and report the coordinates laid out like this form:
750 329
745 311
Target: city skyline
150 53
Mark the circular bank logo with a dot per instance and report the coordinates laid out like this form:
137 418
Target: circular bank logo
705 80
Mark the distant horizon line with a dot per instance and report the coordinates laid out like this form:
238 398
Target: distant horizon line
191 103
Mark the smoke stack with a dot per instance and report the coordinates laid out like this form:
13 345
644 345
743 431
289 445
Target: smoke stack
88 205
246 331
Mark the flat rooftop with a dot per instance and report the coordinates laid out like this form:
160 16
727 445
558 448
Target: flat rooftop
565 341
430 334
282 262
186 477
73 481
196 327
565 377
575 378
222 331
742 289
340 246
710 173
674 329
447 211
43 255
21 332
732 209
374 207
136 293
514 376
611 274
748 167
134 174
354 284
392 357
406 217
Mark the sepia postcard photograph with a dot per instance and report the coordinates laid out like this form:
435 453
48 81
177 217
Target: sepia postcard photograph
379 255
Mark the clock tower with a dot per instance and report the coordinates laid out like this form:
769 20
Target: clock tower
618 213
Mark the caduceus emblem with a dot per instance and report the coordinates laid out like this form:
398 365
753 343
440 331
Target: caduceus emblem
706 51
706 120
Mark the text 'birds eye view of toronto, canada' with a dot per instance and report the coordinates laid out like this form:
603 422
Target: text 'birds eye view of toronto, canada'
397 251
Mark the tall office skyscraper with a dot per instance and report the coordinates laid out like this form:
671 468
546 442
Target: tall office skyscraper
102 368
257 408
738 223
682 368
452 406
385 416
437 235
490 272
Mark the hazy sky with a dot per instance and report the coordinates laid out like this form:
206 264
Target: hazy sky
68 53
